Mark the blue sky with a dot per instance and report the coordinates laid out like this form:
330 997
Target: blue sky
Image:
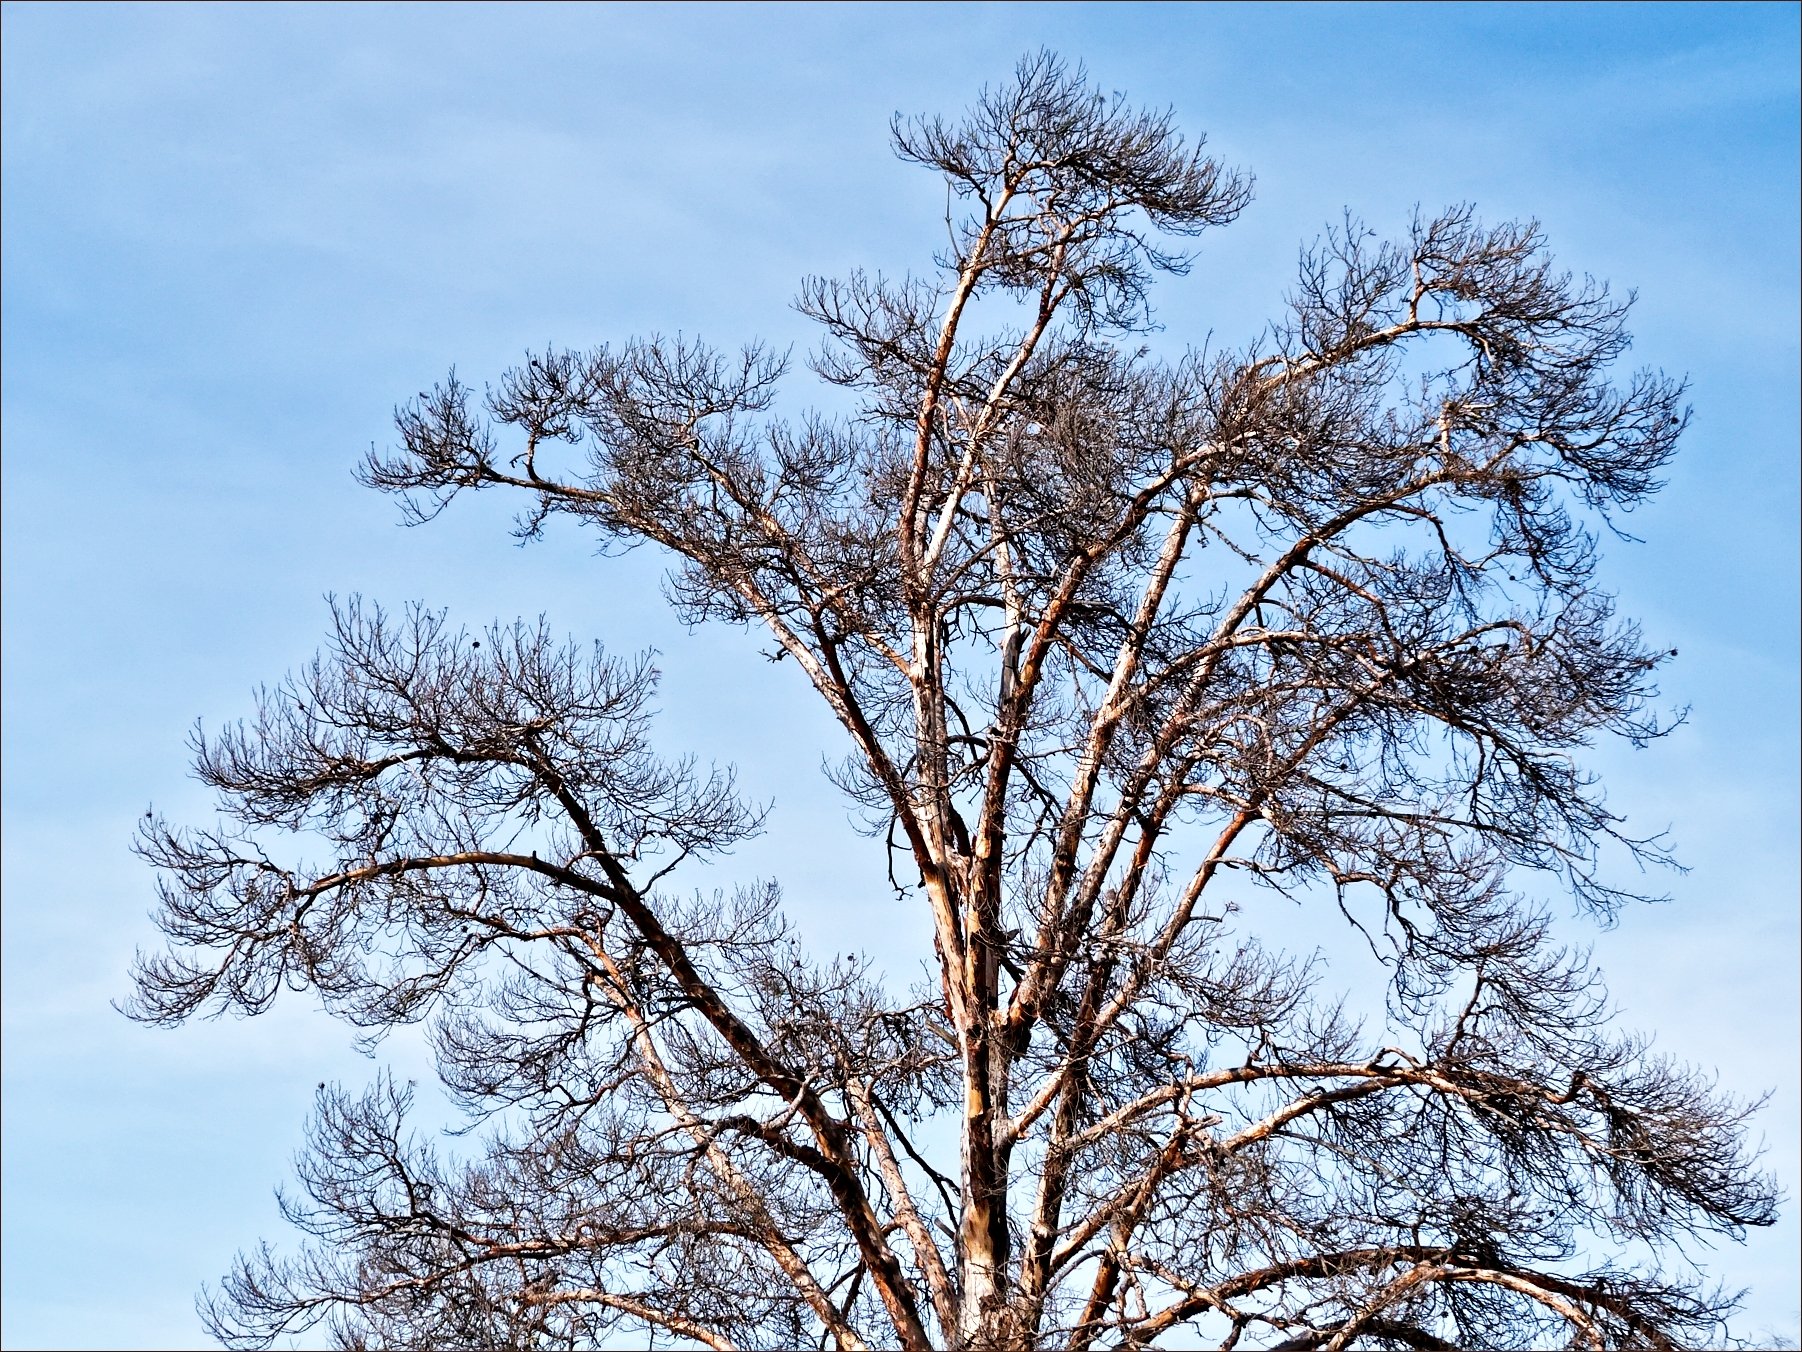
235 237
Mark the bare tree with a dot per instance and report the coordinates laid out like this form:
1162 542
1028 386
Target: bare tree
1123 649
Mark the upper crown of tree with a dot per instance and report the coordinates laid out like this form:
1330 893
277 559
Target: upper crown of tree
1126 650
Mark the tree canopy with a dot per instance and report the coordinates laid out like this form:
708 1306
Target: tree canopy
1124 646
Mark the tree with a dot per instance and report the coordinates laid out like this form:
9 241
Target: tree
1123 648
